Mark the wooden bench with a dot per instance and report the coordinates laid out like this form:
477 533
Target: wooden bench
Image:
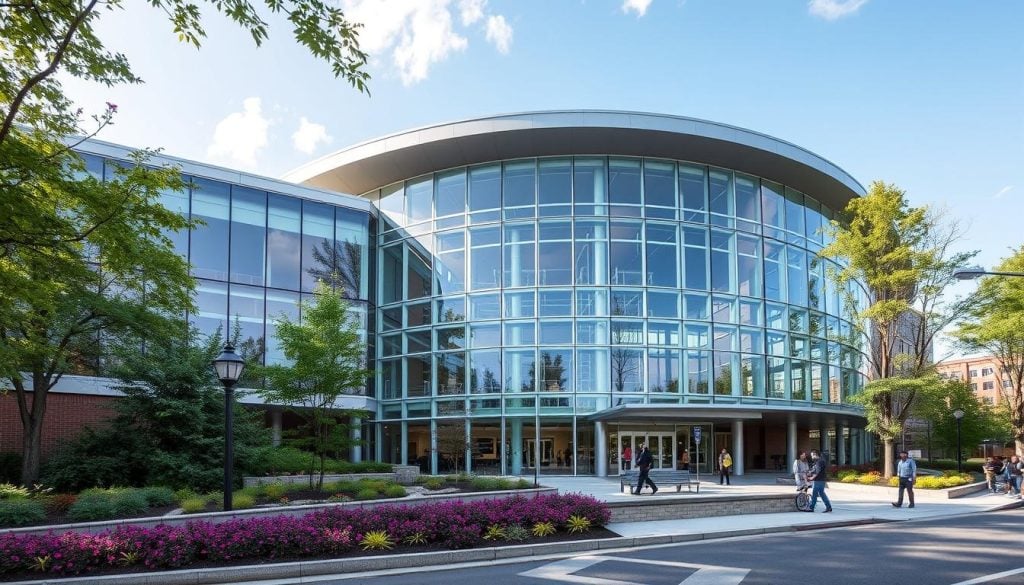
660 477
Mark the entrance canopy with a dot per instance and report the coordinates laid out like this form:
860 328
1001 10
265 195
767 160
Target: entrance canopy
818 415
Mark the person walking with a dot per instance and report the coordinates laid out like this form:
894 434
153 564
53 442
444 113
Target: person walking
800 470
724 466
906 471
627 457
818 475
1016 467
644 461
991 469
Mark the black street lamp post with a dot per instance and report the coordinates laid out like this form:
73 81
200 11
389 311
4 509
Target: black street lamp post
229 369
959 415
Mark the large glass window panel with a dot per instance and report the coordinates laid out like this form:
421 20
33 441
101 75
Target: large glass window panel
317 244
777 377
752 375
391 378
450 263
626 263
748 265
392 274
589 186
520 370
750 312
592 374
627 332
721 199
592 332
723 309
663 304
419 368
451 337
774 271
555 184
662 259
485 372
555 263
817 372
451 192
693 191
591 257
695 258
417 341
697 306
352 232
776 316
520 188
392 204
176 201
795 215
748 202
519 249
391 345
796 261
211 307
419 194
815 283
451 310
555 303
591 303
663 370
814 220
419 273
556 370
663 333
485 190
659 184
751 340
555 332
246 309
485 258
451 373
627 303
624 181
484 307
773 206
520 304
280 304
209 249
627 369
727 375
485 335
697 336
520 333
698 371
726 338
723 261
248 235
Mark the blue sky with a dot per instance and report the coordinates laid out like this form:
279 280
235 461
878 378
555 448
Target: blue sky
928 95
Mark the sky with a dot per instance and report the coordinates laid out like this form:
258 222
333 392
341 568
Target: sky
926 94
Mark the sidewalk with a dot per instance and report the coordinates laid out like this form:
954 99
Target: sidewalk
851 505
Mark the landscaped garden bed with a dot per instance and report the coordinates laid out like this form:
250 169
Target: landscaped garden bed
328 533
948 479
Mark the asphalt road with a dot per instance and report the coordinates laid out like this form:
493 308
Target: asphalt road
964 550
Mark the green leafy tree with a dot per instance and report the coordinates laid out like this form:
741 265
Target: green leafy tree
995 325
902 257
936 407
168 429
326 361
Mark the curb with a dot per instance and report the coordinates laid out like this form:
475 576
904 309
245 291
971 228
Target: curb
300 569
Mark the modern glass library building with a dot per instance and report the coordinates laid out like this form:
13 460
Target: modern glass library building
540 291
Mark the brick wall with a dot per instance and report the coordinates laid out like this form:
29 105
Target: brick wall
66 416
699 507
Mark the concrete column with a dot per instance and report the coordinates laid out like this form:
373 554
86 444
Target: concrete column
355 452
841 444
517 446
468 451
791 440
404 447
600 449
737 447
275 427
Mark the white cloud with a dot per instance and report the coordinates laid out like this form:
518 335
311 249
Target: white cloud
638 6
420 33
499 33
834 9
1003 191
471 11
309 136
240 136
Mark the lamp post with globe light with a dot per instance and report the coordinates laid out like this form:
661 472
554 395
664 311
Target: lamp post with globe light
229 369
958 414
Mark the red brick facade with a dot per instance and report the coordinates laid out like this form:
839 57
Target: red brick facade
66 416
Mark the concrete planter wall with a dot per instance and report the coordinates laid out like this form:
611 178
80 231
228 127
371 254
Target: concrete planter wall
703 507
402 474
216 517
919 493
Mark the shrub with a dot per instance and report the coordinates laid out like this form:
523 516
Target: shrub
242 501
377 540
367 494
59 504
10 492
157 497
523 484
845 474
183 494
20 511
415 538
394 491
130 502
274 490
193 505
578 523
517 533
494 532
92 506
434 483
541 529
505 484
894 481
484 483
870 478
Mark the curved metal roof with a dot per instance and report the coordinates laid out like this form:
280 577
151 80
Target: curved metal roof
404 155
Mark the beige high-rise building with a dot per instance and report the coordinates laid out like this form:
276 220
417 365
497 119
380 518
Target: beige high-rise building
982 373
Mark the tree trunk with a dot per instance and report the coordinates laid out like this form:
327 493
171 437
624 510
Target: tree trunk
1020 446
32 427
887 459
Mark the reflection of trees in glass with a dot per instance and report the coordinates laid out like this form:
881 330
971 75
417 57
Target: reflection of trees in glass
490 383
338 266
451 374
452 444
552 371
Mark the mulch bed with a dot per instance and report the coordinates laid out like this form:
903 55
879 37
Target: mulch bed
594 534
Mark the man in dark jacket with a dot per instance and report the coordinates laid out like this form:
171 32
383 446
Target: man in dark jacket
818 475
644 461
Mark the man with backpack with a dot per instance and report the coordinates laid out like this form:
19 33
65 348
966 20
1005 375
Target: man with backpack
818 475
724 467
644 461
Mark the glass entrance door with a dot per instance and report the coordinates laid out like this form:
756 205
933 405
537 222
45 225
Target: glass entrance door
661 444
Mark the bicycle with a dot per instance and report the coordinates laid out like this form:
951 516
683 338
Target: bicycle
803 501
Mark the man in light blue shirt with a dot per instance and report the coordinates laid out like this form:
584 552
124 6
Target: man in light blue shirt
906 471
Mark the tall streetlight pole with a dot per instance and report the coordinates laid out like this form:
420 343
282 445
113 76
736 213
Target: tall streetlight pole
958 415
229 369
972 272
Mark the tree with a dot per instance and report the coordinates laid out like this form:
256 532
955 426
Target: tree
995 325
327 358
82 258
169 426
937 408
902 257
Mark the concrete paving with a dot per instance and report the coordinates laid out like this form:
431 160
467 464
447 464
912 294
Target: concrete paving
851 504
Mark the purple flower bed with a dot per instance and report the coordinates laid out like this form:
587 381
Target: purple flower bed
453 524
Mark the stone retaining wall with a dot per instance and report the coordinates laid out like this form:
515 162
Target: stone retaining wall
645 509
